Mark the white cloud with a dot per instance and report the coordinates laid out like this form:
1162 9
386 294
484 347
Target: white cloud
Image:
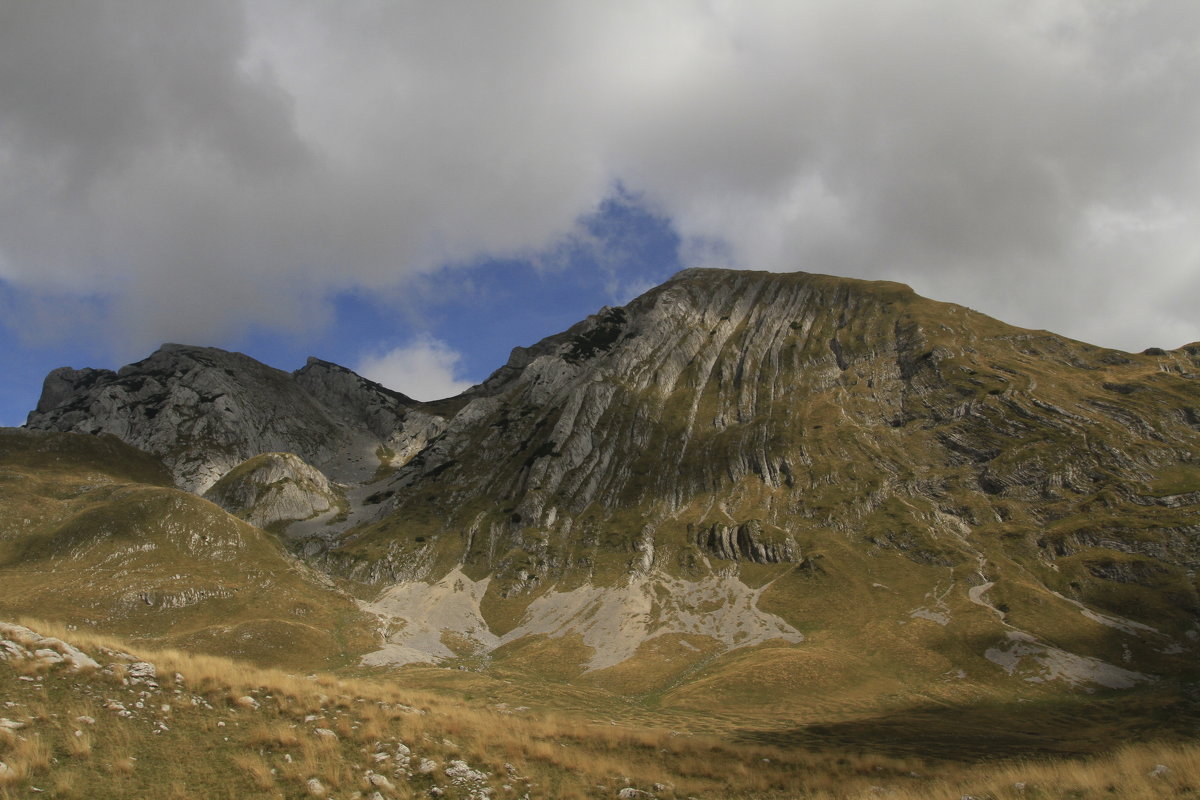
204 183
424 369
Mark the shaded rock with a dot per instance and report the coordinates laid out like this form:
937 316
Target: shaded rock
750 541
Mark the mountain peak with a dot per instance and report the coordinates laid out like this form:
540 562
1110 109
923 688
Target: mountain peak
205 410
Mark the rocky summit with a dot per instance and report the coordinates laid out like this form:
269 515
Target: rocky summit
204 411
779 492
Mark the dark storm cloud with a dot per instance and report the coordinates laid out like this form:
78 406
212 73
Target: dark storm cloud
206 165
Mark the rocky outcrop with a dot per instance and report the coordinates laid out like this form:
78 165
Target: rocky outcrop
18 643
204 411
749 541
272 488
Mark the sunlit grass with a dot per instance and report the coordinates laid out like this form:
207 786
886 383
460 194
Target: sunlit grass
235 730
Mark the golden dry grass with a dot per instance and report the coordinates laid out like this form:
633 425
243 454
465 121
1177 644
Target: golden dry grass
271 750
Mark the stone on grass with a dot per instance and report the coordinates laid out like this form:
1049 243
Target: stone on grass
379 781
141 671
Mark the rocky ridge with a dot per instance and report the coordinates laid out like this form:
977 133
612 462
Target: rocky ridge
204 411
747 399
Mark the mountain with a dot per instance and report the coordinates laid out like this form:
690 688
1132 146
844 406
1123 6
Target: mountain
204 411
782 494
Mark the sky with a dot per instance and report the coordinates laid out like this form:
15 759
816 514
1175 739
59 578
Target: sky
411 189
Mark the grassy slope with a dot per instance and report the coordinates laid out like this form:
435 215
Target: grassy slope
214 728
94 535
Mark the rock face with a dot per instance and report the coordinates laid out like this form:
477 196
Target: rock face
273 487
204 411
806 403
749 542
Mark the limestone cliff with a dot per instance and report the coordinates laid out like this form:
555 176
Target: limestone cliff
204 411
807 402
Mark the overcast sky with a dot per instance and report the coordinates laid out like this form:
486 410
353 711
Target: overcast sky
414 188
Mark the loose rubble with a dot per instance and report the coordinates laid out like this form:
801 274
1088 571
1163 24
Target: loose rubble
129 689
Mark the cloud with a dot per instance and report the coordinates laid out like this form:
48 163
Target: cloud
424 369
206 167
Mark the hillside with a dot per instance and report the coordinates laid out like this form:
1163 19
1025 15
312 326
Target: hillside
93 534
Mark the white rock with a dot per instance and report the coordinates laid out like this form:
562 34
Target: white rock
379 781
325 733
315 787
461 774
48 656
426 766
1159 771
141 671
